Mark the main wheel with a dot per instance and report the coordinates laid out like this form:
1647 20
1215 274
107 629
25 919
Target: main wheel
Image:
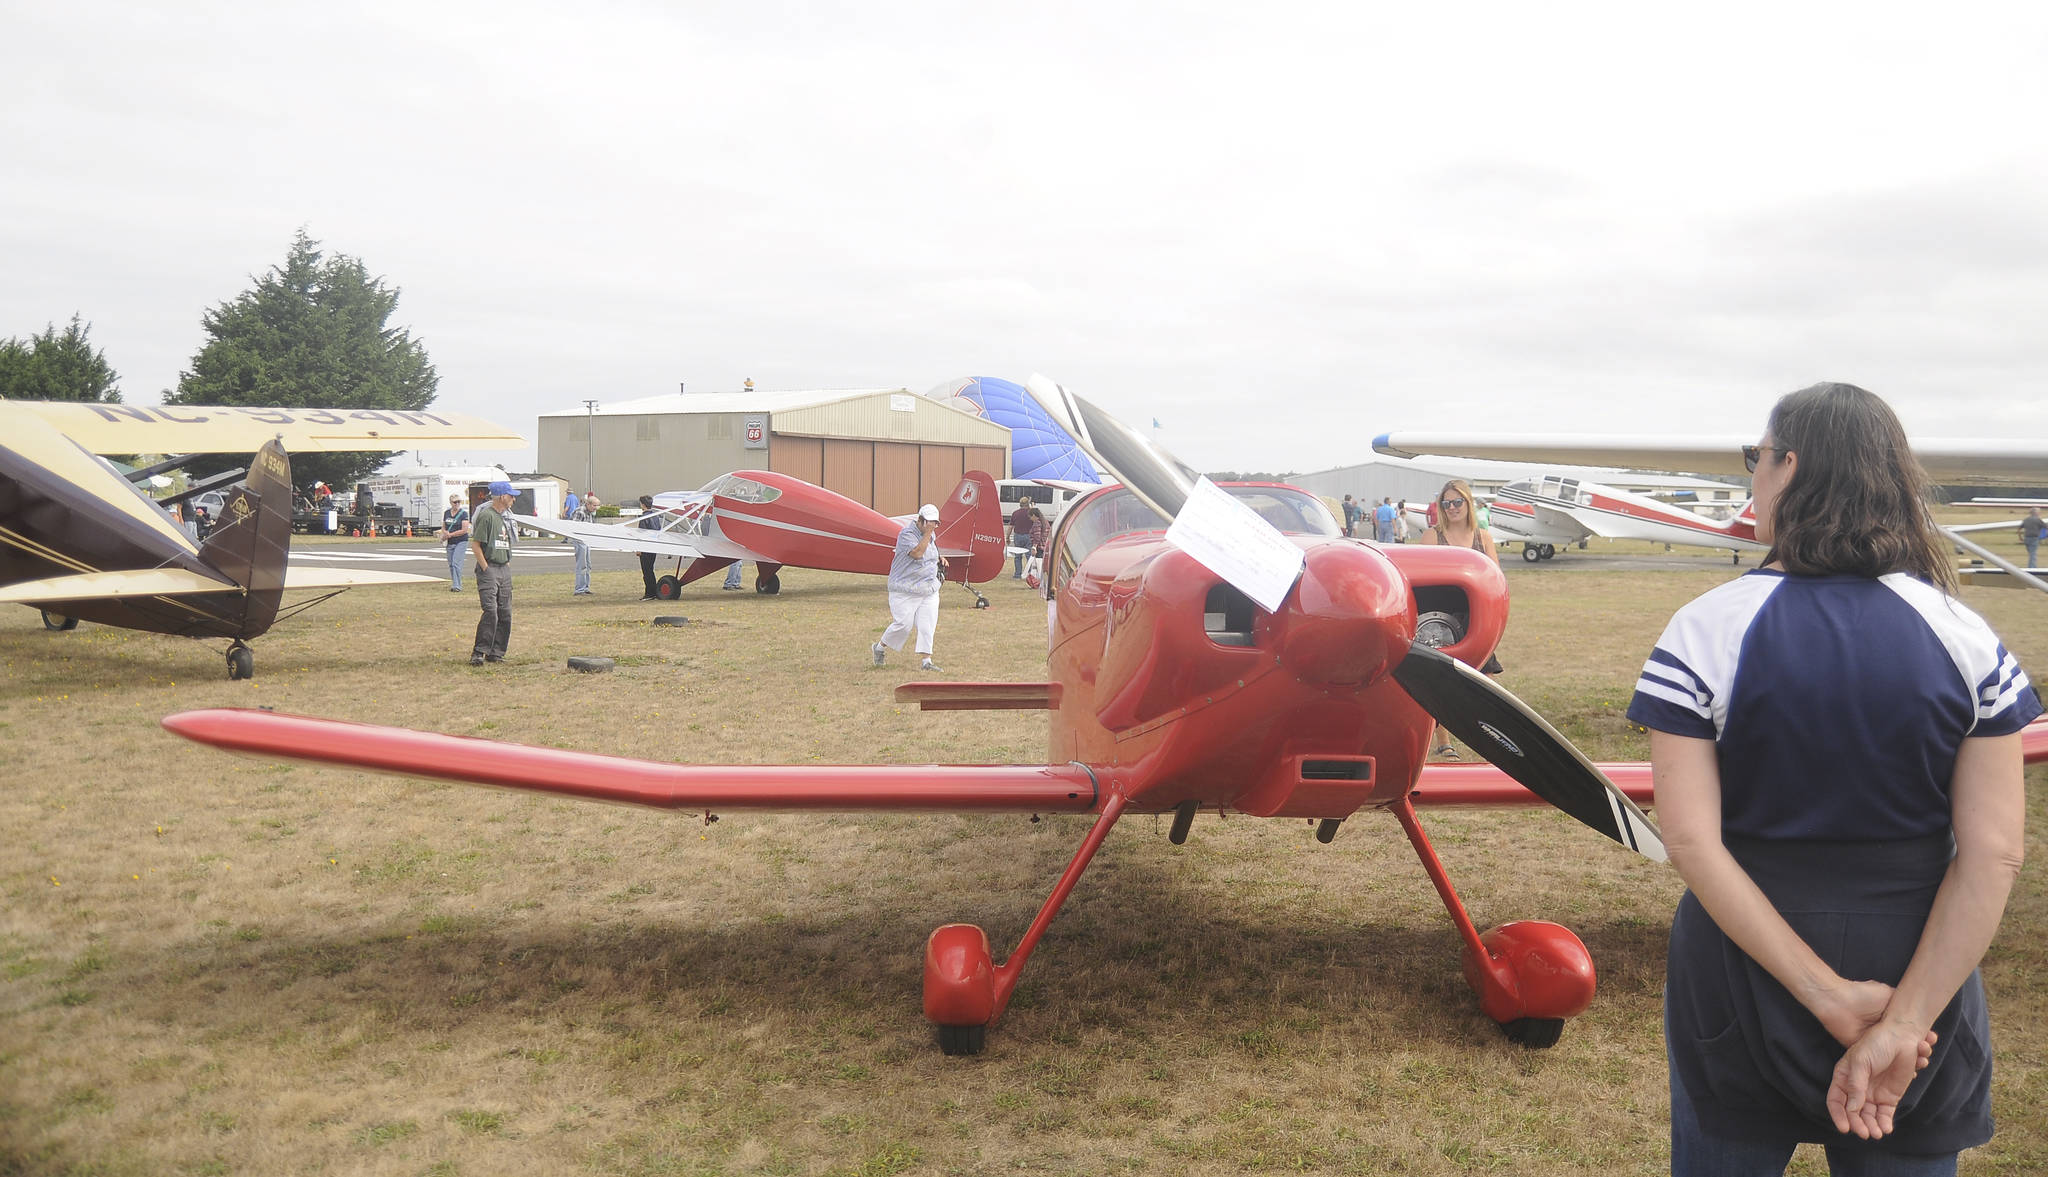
770 584
1530 553
1548 551
958 1040
1534 1033
668 588
241 663
58 621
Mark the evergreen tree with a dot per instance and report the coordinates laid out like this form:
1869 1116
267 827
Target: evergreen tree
311 333
53 367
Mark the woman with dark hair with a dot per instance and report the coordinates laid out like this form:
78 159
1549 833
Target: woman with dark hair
1835 745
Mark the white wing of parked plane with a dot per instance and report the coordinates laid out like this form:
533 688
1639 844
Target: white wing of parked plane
1952 461
629 537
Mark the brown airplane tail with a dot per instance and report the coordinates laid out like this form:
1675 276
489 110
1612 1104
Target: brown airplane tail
254 536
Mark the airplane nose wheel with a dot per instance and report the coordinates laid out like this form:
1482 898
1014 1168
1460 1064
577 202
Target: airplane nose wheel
241 662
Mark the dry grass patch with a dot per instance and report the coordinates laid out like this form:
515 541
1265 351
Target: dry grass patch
213 965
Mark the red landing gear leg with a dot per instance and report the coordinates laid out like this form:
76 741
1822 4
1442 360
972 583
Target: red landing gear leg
964 989
1530 975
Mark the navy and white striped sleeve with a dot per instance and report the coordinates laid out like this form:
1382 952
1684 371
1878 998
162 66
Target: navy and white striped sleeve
2006 701
1684 686
1671 696
2004 698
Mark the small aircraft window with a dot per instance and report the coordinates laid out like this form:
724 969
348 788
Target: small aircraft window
746 490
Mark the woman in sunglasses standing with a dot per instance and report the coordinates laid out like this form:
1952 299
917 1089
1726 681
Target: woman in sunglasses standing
1457 526
1835 744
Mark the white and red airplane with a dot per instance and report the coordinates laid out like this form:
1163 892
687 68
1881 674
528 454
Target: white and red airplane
1947 461
775 520
1550 511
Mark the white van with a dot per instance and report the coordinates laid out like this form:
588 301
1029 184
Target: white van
1052 500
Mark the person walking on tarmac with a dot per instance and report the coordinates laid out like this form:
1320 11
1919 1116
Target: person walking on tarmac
490 541
915 575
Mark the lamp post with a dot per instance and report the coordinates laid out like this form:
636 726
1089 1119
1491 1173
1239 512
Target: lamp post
589 442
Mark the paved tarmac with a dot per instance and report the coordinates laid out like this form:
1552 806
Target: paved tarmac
430 557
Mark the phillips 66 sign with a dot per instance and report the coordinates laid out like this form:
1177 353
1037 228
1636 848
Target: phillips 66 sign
757 433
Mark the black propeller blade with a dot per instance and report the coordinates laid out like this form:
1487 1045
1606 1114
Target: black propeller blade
1520 743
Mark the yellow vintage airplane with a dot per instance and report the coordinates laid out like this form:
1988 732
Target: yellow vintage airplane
78 540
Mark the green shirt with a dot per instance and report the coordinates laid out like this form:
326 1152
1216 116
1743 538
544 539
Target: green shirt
491 533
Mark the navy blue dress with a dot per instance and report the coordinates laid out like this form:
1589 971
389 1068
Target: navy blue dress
1837 705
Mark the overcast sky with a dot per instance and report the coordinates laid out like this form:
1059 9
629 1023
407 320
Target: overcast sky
1279 229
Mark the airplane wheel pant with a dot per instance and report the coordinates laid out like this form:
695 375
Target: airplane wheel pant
1535 969
959 977
908 611
494 593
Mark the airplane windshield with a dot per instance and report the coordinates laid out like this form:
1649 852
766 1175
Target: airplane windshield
745 490
1103 517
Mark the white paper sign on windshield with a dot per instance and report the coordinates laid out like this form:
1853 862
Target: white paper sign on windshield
1230 540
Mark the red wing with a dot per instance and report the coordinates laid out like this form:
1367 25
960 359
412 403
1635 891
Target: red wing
1485 785
928 788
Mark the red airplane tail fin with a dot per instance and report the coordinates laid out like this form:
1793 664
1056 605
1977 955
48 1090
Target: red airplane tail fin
254 535
971 523
1744 524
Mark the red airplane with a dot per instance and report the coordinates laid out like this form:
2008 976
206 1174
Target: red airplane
777 520
1171 691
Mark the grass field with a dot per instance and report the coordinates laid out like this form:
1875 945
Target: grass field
212 965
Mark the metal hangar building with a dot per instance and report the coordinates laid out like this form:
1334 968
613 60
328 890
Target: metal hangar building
887 448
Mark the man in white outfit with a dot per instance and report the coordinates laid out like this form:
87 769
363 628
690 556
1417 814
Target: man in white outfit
914 579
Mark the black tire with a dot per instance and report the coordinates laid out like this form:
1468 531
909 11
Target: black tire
674 619
770 584
1548 551
241 663
668 588
589 664
963 1040
58 622
1534 1033
1530 553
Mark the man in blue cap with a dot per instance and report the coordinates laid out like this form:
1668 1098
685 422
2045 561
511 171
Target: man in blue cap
490 540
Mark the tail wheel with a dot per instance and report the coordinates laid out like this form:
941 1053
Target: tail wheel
58 622
668 588
962 1040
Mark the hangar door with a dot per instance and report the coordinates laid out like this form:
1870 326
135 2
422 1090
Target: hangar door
893 477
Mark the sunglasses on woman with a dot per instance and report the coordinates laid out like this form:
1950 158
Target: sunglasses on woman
1454 503
1752 454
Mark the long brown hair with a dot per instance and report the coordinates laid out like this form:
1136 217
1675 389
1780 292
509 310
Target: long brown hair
1857 503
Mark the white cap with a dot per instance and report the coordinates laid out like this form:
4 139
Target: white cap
928 512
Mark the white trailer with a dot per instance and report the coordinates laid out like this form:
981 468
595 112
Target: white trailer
422 492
